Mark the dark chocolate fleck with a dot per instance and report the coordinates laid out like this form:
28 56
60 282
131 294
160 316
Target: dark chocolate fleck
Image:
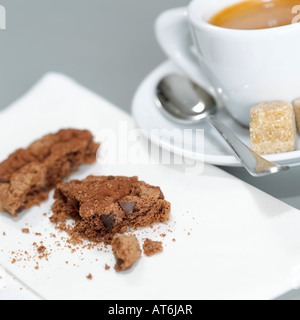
108 222
44 189
127 206
75 203
161 196
20 209
4 181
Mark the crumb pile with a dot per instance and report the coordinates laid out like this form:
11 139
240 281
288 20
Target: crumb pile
91 211
95 209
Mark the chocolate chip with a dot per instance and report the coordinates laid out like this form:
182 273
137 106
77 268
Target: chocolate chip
4 181
110 178
75 203
161 196
20 209
127 206
108 222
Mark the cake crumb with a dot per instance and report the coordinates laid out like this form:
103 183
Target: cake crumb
107 267
41 249
152 247
25 230
89 277
127 251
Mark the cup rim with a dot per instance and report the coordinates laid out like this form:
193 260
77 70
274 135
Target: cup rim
201 23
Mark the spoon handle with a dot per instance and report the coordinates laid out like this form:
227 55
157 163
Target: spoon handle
254 163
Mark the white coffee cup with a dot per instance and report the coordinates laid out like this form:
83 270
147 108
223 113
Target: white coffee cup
240 67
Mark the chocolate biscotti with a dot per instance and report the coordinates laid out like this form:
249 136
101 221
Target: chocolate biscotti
28 175
104 206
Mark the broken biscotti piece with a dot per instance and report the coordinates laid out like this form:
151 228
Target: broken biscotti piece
297 113
104 206
273 128
152 247
28 175
127 251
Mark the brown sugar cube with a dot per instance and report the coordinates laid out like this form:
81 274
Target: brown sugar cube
273 128
297 113
152 247
127 251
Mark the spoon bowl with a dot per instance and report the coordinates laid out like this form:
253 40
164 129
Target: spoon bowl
183 101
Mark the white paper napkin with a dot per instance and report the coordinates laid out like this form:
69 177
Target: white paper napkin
232 240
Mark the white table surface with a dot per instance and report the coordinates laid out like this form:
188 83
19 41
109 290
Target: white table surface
85 39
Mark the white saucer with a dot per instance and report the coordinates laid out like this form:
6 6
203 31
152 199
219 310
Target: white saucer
216 151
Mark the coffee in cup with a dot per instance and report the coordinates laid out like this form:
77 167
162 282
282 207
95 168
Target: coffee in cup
256 14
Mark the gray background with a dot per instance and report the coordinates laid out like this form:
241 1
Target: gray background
106 45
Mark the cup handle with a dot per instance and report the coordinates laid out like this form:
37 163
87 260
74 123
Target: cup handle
174 36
